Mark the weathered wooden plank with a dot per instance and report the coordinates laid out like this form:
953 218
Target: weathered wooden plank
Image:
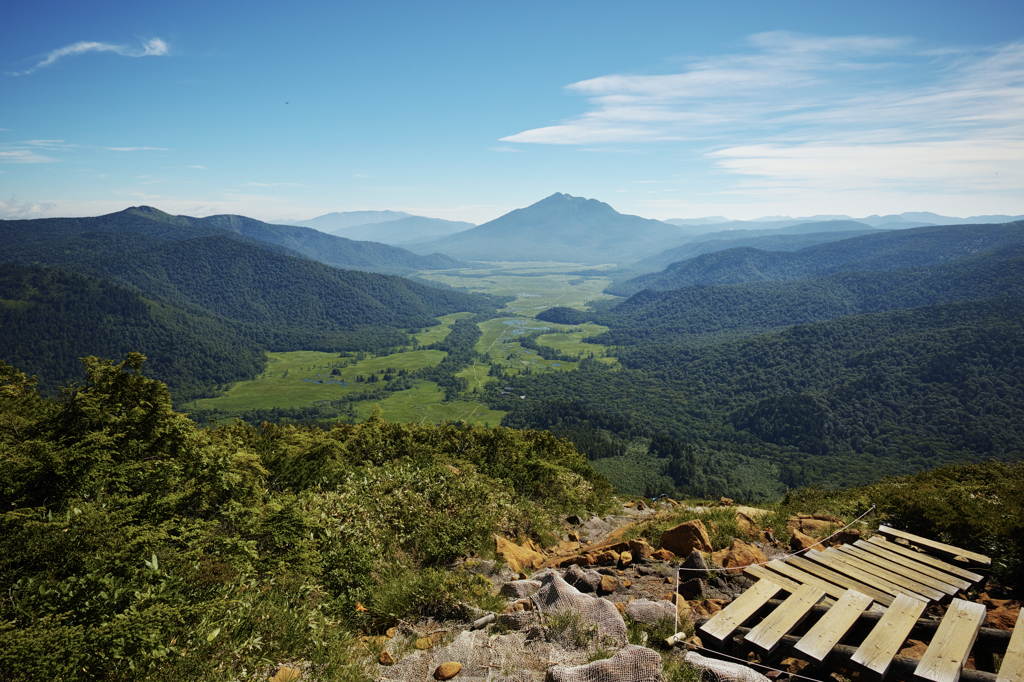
940 547
885 574
927 559
1012 667
758 572
843 581
744 606
833 626
875 654
913 565
949 649
864 577
767 634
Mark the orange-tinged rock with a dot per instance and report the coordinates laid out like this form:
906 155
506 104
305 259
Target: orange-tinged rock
447 671
746 524
663 555
386 658
609 583
798 541
286 674
686 537
607 557
740 554
626 558
640 549
519 559
725 502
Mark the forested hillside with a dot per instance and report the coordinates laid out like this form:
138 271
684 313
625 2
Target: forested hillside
50 318
833 403
701 313
880 251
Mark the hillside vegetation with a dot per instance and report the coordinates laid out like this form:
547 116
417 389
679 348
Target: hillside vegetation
135 545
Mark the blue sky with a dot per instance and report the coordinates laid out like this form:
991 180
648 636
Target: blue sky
468 110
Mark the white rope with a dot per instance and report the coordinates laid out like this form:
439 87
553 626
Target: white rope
680 569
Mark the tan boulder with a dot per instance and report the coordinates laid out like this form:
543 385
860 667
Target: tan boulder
447 671
663 555
686 537
519 559
386 658
746 524
640 549
391 633
625 559
286 674
725 502
737 556
628 505
424 643
607 557
609 583
799 542
574 537
640 506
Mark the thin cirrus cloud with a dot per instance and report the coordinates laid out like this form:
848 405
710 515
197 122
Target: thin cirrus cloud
154 47
801 110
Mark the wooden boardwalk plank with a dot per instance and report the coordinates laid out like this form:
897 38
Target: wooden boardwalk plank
761 573
940 547
926 559
833 626
804 578
1012 668
866 578
767 634
744 606
916 566
843 581
951 646
884 641
854 558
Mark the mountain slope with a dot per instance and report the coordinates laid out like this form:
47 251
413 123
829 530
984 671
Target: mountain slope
560 227
871 252
332 222
50 318
45 238
404 230
695 314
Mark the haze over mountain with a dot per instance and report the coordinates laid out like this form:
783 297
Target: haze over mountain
892 222
884 250
404 230
330 222
560 227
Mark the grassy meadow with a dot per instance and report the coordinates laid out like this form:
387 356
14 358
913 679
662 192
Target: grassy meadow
302 378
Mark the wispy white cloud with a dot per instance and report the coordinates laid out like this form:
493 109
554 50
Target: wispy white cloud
138 149
12 209
23 156
804 111
199 167
154 47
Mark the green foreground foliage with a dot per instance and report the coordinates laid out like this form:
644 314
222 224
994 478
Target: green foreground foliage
135 545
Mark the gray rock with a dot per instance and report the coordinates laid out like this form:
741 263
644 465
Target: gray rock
695 566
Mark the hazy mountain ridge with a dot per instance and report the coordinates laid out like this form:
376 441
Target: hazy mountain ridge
560 227
887 250
404 230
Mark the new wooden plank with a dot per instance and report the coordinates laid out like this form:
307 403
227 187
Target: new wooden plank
857 574
899 569
1012 667
744 606
761 573
843 581
916 566
936 546
833 626
875 654
804 578
948 651
927 559
886 574
767 634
